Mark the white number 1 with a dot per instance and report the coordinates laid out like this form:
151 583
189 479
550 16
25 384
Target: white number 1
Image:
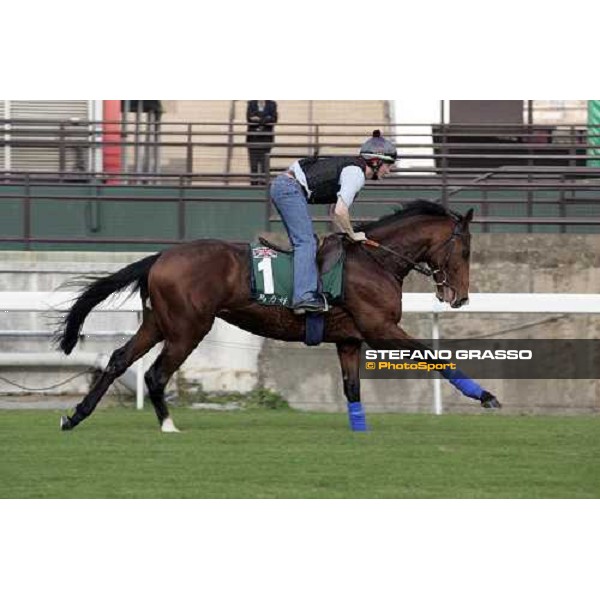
265 267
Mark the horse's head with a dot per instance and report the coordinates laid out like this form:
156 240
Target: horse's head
439 238
449 260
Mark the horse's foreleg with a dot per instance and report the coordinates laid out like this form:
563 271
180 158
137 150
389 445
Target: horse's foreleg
145 338
349 356
393 337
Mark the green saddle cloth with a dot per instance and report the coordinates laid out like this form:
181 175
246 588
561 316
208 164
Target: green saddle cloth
273 277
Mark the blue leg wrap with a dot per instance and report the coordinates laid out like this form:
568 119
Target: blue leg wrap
357 417
462 383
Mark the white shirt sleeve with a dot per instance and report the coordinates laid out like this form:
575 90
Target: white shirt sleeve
352 179
300 177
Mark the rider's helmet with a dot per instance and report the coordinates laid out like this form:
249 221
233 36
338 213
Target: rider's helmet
377 150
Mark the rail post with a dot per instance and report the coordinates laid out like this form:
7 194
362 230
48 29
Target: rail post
189 163
267 186
181 210
229 142
437 382
139 374
27 213
62 151
444 156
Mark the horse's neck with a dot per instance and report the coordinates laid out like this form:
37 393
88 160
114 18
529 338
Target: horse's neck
414 237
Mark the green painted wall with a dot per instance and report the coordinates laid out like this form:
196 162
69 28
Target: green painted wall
594 132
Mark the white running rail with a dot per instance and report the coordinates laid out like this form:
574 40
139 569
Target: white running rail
411 303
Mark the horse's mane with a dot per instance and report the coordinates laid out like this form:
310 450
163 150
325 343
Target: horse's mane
411 209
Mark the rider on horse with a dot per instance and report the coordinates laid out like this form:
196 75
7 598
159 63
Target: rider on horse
328 180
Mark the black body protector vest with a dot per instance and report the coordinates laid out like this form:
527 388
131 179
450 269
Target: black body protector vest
323 176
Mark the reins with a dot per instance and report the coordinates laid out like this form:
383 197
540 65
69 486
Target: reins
424 269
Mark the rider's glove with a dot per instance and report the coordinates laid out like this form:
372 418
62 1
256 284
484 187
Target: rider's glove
359 236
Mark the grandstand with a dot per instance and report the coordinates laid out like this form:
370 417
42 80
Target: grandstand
535 185
223 122
538 172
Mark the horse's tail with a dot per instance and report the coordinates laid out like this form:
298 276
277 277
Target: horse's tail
95 292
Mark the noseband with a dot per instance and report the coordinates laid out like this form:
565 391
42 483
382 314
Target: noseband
457 232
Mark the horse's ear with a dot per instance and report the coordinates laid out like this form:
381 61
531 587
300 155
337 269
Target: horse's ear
469 216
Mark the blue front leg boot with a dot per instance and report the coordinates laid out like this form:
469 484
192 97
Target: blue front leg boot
357 417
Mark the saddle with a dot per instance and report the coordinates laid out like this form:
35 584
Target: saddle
271 264
329 248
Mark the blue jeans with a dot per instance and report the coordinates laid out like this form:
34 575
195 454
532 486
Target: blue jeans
289 200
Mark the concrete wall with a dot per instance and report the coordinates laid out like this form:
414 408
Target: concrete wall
230 359
227 359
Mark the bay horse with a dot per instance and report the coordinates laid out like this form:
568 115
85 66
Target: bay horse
184 288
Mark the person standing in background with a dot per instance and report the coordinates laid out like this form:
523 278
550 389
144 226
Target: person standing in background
261 116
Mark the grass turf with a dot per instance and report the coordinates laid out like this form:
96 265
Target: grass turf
119 453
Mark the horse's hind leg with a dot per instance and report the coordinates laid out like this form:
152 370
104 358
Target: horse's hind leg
147 336
173 355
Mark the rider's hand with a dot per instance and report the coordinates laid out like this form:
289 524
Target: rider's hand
358 236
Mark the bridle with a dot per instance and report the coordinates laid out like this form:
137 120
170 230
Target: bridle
426 270
457 232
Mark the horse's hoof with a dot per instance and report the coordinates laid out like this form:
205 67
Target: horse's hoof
168 426
65 423
490 401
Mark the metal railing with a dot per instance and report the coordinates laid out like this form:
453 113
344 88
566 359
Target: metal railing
528 168
195 144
